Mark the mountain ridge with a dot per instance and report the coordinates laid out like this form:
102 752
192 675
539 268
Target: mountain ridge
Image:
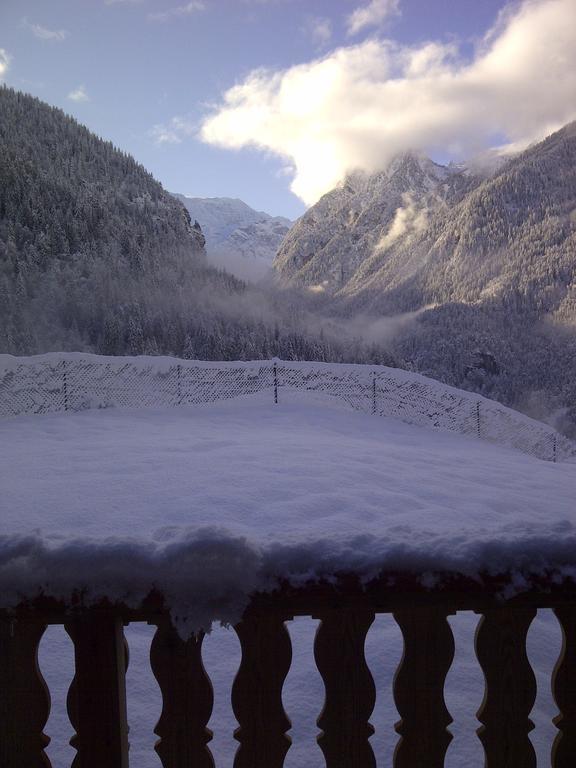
483 266
329 242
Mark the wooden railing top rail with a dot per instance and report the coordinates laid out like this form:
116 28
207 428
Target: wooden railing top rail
385 594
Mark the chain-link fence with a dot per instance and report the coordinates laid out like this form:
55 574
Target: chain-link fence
75 382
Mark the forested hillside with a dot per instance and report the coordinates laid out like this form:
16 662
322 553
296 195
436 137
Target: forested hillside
479 267
96 256
511 237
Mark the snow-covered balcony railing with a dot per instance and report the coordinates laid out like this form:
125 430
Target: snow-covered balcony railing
346 609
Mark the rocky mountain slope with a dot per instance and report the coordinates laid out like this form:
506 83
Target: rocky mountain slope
419 233
511 239
237 237
483 269
331 241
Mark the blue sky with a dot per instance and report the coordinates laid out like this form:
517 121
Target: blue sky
147 73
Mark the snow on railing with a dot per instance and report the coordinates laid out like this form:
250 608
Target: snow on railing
77 381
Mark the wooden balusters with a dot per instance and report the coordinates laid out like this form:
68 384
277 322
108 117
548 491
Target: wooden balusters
257 691
24 697
564 689
187 699
350 690
419 687
510 687
72 709
97 697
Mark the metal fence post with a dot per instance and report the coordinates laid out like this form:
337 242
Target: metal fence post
65 388
554 448
373 393
275 383
478 418
179 368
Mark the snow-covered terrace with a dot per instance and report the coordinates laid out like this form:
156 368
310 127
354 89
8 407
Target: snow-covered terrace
248 512
226 499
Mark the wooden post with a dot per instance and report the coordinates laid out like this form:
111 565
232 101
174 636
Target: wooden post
510 687
419 687
257 691
478 418
564 690
24 696
275 383
97 698
350 690
186 699
373 393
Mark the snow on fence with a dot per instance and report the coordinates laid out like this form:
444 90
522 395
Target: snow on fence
77 381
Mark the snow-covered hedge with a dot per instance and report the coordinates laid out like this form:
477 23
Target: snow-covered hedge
79 381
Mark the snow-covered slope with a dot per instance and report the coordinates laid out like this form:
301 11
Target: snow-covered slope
237 237
259 239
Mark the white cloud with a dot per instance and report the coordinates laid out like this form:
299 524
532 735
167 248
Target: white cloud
408 220
42 33
319 29
359 105
372 15
174 131
181 10
79 94
5 60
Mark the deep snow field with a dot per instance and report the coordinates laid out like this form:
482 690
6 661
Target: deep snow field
218 500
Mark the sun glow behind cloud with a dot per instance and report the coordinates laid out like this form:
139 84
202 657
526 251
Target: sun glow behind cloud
361 104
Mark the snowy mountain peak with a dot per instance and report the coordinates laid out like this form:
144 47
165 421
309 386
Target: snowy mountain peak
414 166
238 237
412 170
